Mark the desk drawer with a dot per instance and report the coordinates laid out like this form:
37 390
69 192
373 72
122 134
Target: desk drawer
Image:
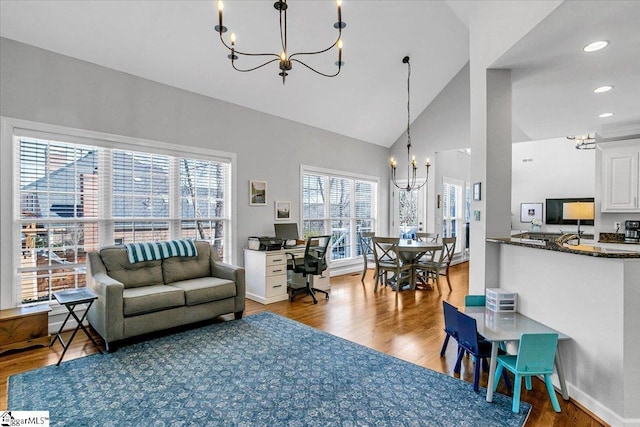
278 269
279 259
276 285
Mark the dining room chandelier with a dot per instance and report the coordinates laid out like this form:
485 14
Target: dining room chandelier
412 165
284 59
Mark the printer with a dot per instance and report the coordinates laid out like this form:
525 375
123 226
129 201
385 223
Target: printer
265 243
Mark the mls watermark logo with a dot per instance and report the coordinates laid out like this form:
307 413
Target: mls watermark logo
24 418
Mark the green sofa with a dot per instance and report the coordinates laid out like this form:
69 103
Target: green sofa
135 299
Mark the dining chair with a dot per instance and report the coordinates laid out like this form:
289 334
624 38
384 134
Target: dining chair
475 300
450 325
479 349
366 249
536 354
427 237
385 250
431 238
436 268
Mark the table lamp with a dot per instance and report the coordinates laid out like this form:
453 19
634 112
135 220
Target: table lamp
578 211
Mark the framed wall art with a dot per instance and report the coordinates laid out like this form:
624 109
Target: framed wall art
283 210
257 193
477 191
530 212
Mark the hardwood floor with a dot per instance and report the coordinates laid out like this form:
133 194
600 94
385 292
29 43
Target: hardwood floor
407 326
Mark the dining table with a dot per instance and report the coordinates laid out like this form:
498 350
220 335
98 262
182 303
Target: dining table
411 251
499 327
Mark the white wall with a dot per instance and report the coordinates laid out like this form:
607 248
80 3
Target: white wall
549 169
46 87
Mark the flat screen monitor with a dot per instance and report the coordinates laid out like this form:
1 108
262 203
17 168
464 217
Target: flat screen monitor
553 211
287 232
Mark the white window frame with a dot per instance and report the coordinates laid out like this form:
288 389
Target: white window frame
9 186
352 219
461 209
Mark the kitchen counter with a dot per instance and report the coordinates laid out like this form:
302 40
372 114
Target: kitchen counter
591 293
589 250
541 235
615 238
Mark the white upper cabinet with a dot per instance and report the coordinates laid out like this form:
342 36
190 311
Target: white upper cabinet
620 178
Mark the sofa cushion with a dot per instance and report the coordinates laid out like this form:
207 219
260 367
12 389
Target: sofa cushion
206 289
116 261
178 268
147 299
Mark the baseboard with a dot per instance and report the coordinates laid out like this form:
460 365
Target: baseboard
597 410
587 411
347 269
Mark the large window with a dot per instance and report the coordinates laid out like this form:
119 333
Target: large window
73 198
340 205
455 211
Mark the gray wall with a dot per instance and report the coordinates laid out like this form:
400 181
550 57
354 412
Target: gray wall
442 126
452 164
46 87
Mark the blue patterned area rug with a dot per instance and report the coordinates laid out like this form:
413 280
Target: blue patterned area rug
263 370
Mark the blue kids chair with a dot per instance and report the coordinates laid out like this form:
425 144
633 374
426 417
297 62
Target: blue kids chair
468 342
475 300
450 324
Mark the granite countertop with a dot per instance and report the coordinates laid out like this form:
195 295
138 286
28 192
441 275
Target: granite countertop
588 250
615 238
541 235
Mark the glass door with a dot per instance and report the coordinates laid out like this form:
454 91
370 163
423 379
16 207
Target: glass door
408 214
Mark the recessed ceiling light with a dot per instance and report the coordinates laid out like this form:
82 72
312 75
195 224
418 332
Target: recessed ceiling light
602 89
605 115
592 47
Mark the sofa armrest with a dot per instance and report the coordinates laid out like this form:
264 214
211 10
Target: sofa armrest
230 272
106 315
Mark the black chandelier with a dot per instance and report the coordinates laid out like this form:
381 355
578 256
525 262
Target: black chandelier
284 59
584 142
412 166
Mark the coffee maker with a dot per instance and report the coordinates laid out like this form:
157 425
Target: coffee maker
632 231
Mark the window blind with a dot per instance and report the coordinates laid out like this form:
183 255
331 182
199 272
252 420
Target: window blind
74 198
341 205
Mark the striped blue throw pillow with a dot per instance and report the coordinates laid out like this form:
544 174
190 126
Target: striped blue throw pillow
138 252
177 248
151 251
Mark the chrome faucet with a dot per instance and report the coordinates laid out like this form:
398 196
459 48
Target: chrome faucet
566 237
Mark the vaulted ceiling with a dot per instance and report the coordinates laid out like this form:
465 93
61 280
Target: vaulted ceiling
174 43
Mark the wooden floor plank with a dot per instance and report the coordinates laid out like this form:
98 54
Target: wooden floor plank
406 325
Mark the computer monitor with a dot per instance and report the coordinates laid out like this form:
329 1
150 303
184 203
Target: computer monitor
288 232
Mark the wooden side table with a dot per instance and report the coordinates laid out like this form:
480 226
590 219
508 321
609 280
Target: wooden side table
70 299
24 327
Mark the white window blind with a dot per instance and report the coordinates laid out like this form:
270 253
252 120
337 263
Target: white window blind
451 209
76 198
58 216
340 205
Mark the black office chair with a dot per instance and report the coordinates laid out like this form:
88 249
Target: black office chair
314 263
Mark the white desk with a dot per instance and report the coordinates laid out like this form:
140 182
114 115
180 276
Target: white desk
497 327
267 277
